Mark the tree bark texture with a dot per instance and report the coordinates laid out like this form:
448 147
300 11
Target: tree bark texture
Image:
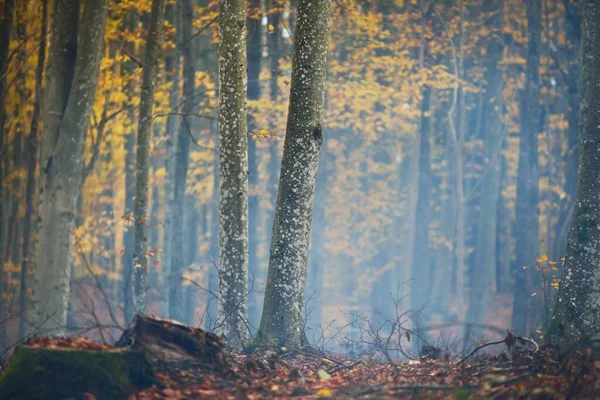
282 319
233 206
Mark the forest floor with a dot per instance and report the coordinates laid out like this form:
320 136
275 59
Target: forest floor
309 375
312 373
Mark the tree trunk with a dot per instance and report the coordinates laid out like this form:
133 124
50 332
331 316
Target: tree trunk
274 47
318 255
527 207
573 34
128 235
254 65
62 152
8 15
233 207
420 261
31 173
577 314
485 248
182 156
282 319
140 213
172 68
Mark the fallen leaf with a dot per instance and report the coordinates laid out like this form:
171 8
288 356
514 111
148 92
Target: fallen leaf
325 393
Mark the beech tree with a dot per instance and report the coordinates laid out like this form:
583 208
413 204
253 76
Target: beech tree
6 22
485 260
254 50
32 149
180 167
233 171
527 207
577 315
282 319
140 207
72 77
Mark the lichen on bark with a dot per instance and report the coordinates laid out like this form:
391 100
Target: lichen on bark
233 171
282 319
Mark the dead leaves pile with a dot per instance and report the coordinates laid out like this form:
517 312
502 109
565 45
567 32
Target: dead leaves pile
307 376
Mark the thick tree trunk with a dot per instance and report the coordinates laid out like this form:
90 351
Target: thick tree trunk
62 153
182 156
527 206
485 248
31 174
140 208
282 319
233 207
254 65
577 314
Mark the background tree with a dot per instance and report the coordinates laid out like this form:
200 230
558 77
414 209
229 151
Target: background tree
140 214
527 207
493 137
32 149
181 164
282 319
255 50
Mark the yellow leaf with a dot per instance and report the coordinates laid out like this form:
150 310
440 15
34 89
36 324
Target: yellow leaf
325 393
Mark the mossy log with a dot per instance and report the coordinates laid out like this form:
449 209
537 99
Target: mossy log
61 373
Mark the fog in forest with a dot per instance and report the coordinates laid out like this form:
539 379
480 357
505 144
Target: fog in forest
444 190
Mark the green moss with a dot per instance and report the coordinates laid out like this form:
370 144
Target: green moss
255 342
35 373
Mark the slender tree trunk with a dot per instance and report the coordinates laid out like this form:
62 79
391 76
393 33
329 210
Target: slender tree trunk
254 65
573 34
172 66
274 47
6 26
140 213
193 225
485 248
444 261
421 260
527 206
178 259
62 153
577 314
31 173
213 275
318 255
8 14
128 234
282 319
233 207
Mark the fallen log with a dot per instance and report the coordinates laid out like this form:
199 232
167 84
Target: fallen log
171 344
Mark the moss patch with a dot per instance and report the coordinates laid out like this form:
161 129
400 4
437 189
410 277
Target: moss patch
41 373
